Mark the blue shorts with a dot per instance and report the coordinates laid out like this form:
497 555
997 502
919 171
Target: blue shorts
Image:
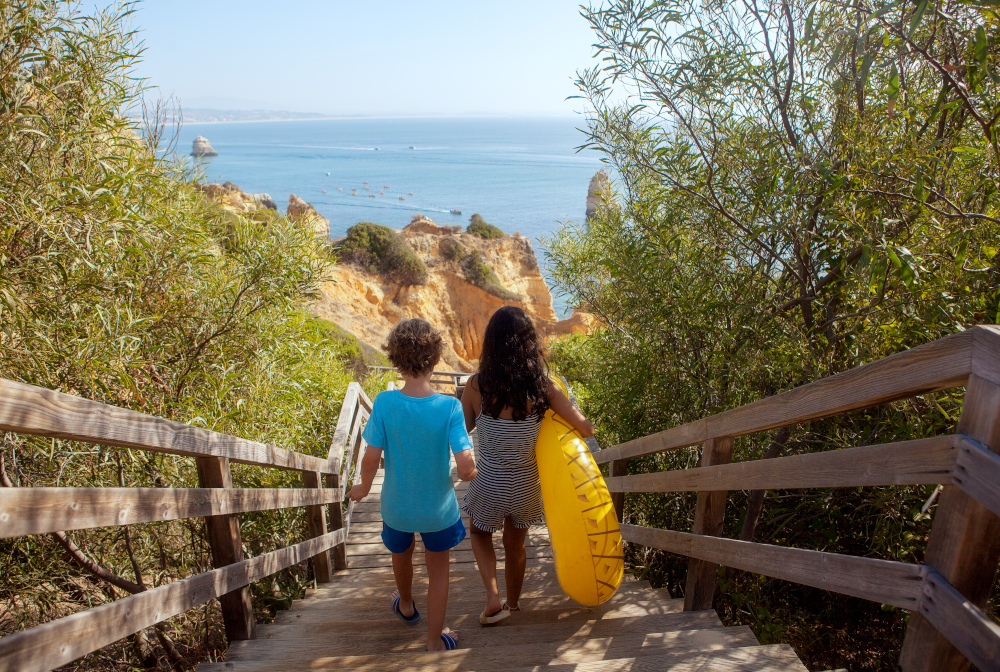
443 540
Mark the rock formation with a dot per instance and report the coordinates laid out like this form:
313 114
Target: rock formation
300 211
599 186
368 305
201 147
231 198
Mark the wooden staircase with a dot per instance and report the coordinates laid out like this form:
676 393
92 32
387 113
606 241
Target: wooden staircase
348 624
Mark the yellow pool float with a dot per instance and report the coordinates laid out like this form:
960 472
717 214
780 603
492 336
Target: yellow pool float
581 519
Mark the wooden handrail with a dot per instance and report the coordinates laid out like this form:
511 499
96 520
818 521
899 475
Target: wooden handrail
26 409
939 365
964 549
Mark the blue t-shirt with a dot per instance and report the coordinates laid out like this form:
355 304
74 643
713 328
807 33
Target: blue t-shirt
418 494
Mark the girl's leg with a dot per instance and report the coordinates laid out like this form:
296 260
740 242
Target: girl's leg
516 558
437 597
486 558
402 570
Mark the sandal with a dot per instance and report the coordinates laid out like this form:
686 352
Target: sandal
507 607
496 617
412 620
450 643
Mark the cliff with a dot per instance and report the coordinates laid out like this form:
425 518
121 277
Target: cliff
231 198
202 147
367 304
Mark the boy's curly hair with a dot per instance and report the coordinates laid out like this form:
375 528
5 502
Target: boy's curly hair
414 347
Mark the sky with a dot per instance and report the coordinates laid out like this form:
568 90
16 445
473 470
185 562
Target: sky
393 57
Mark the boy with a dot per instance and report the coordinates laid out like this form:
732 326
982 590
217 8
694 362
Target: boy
414 426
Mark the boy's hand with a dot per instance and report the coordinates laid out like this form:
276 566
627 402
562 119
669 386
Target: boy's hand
359 492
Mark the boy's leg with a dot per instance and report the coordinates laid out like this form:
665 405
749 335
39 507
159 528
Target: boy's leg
515 559
437 597
486 559
402 570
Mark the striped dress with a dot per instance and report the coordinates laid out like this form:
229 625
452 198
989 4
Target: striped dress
507 484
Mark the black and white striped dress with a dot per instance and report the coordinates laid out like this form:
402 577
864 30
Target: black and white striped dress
507 484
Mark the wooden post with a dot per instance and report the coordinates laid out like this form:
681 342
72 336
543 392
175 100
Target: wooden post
336 517
964 545
699 588
618 468
316 522
227 548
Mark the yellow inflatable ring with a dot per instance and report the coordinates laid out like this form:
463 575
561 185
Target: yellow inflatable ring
581 519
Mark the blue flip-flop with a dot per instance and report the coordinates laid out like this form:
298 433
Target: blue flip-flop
412 620
450 643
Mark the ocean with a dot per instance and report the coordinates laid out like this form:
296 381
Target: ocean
519 174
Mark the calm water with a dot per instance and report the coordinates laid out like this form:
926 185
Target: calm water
520 174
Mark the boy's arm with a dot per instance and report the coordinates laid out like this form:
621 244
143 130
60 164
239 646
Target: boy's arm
369 467
466 464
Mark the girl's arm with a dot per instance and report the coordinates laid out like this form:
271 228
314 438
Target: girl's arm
369 467
471 401
564 408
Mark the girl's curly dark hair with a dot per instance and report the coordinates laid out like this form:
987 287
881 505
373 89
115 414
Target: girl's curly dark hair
414 347
512 370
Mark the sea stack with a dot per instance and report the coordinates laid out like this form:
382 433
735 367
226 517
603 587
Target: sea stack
300 211
201 147
599 184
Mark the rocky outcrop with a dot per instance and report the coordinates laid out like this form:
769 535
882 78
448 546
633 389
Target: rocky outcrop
599 186
202 147
231 198
368 305
300 211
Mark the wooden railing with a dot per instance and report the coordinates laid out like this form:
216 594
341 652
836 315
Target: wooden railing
26 409
453 378
946 595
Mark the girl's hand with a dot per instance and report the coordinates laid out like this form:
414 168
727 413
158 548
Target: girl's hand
358 492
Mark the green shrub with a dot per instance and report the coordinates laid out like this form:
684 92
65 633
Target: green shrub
481 275
479 227
381 250
452 250
357 354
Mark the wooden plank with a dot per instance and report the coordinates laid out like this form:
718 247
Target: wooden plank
895 583
224 539
963 623
617 472
709 514
27 409
939 365
62 641
44 510
964 545
927 461
986 352
316 524
338 554
977 473
345 422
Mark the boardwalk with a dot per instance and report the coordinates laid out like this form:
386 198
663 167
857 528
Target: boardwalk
348 625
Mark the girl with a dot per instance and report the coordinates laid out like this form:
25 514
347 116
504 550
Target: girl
506 400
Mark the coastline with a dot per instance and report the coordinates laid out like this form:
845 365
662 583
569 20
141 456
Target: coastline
407 116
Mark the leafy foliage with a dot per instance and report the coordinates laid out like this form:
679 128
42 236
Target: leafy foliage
481 275
801 189
119 283
381 250
479 227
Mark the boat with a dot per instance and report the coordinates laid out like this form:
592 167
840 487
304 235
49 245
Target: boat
386 186
328 174
340 188
372 196
456 212
367 189
381 193
412 147
364 183
323 190
401 198
409 193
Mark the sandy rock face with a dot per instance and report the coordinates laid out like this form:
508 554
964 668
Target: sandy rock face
599 184
368 305
300 211
202 147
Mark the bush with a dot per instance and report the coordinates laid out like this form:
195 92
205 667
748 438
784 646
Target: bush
481 275
479 227
452 250
358 354
379 249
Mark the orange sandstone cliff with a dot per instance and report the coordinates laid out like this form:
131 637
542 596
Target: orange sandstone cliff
368 305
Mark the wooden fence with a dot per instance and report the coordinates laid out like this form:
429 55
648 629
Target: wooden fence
946 595
26 409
